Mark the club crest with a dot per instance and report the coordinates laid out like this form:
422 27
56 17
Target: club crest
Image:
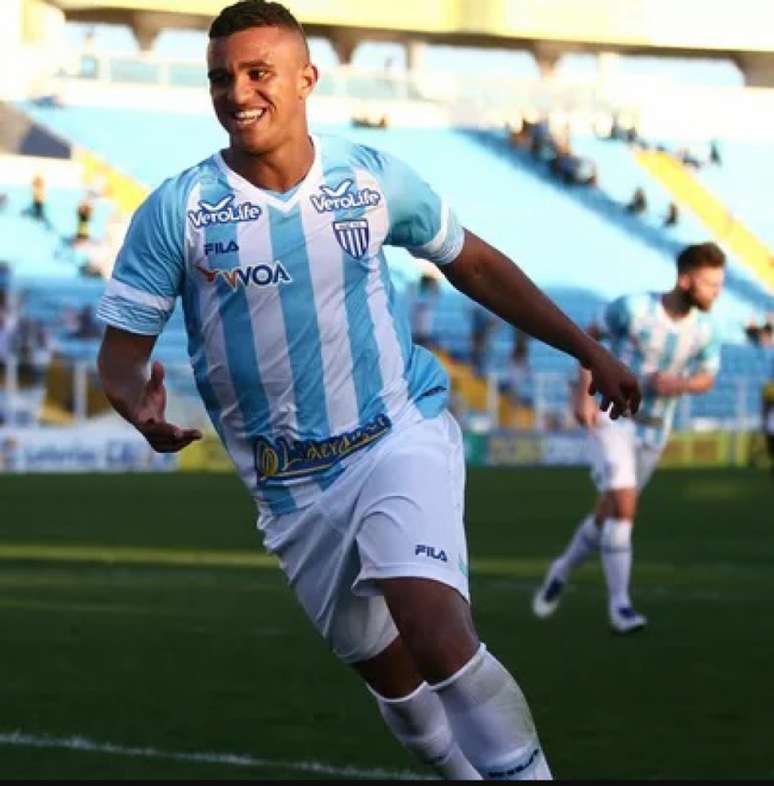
352 236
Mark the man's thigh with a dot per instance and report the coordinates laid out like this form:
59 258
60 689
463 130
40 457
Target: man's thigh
411 510
613 452
317 550
398 513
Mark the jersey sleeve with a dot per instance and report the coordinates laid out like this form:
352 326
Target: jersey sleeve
708 357
147 277
419 220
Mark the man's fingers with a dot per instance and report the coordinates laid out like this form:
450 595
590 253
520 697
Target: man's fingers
156 380
172 445
161 430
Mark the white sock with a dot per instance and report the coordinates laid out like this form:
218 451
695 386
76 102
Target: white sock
616 547
419 722
583 544
491 721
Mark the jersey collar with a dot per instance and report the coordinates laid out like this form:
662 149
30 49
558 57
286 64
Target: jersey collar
239 183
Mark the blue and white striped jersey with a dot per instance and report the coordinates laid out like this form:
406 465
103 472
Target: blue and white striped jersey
647 340
299 352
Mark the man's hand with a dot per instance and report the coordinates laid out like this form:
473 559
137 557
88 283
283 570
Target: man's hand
663 384
618 387
148 418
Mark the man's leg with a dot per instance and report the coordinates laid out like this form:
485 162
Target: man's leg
413 555
616 548
413 712
487 711
583 544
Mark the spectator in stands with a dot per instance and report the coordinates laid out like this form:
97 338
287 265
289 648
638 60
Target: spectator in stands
517 381
521 135
672 215
83 214
574 170
543 146
423 312
482 326
714 154
638 203
687 157
6 339
37 208
32 345
761 335
86 324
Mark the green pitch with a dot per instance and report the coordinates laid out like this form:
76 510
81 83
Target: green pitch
144 634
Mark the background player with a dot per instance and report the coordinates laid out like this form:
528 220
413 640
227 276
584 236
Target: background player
670 342
335 421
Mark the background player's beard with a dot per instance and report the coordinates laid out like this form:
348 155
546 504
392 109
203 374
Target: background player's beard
691 301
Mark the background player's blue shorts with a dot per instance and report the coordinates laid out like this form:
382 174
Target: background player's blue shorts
396 511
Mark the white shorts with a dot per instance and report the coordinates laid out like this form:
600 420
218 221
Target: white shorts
396 511
619 459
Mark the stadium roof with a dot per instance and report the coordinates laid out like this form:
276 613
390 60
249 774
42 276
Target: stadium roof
740 30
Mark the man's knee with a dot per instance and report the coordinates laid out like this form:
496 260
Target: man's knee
392 673
622 504
435 624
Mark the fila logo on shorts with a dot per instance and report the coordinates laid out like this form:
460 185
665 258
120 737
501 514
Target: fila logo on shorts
430 551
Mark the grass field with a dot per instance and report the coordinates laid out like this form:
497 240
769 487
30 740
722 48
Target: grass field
144 634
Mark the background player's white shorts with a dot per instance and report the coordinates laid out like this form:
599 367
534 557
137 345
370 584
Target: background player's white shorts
619 459
396 511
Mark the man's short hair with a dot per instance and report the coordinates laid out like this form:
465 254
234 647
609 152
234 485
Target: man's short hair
700 255
255 13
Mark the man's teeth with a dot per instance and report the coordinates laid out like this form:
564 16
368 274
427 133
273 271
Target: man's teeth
246 117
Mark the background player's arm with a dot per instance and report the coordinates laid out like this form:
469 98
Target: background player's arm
123 363
490 278
663 384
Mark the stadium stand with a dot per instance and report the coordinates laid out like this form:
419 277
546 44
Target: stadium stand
614 252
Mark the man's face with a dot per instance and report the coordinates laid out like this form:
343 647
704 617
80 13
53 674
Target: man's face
259 81
702 286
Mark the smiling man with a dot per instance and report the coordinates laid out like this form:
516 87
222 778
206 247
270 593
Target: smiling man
335 421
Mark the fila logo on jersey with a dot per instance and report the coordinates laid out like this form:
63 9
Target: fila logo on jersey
252 275
430 551
352 236
223 212
213 249
340 198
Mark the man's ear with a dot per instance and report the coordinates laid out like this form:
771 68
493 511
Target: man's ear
684 281
307 80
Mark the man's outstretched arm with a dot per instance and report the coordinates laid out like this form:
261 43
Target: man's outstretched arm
123 363
490 278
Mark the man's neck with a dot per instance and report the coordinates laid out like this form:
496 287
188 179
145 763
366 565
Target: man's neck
278 170
676 304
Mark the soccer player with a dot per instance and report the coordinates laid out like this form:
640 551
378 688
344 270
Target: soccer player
669 340
335 421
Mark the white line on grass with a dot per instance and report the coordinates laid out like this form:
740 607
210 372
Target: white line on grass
19 739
